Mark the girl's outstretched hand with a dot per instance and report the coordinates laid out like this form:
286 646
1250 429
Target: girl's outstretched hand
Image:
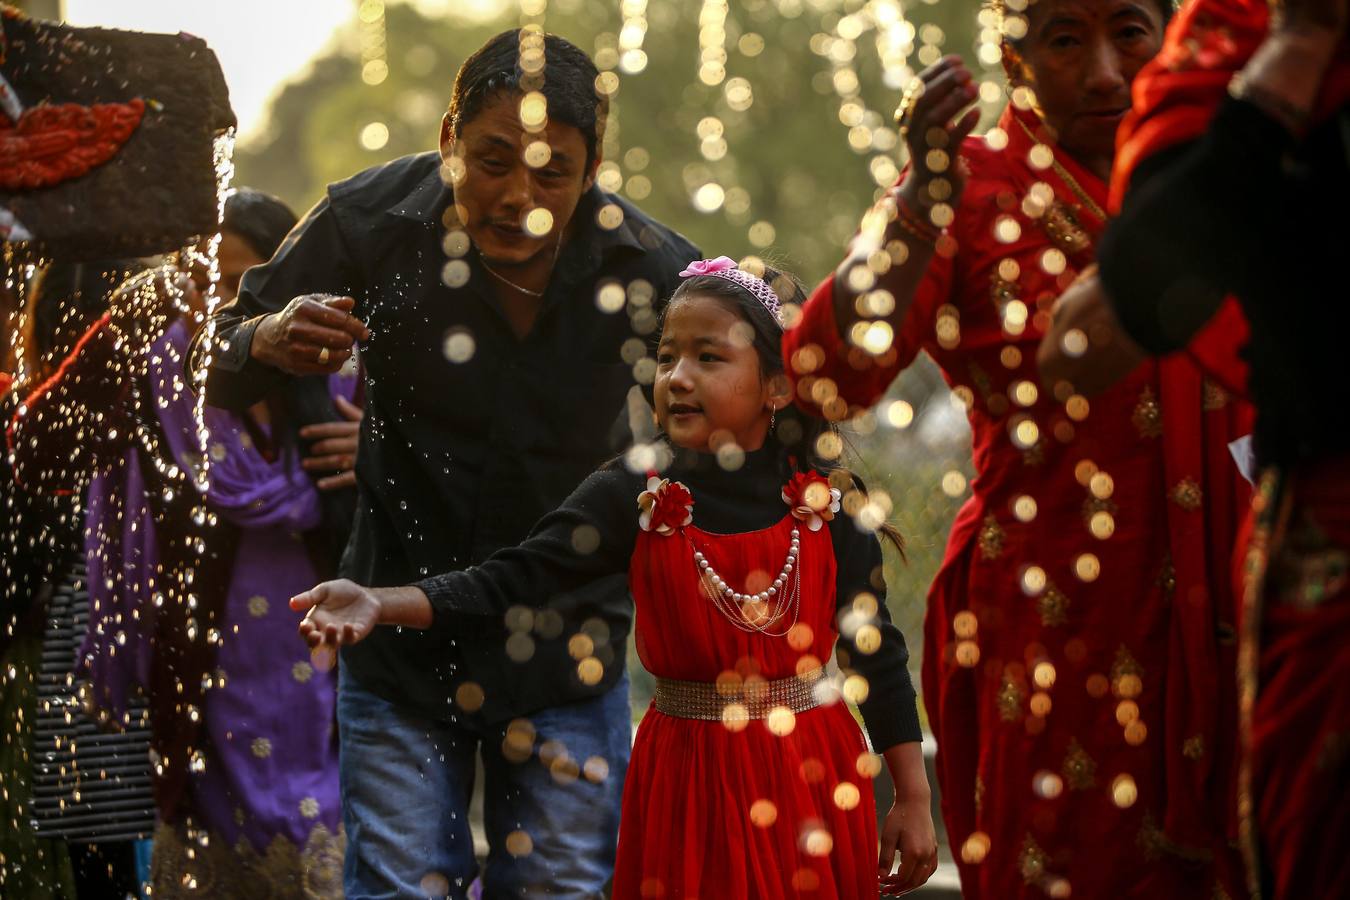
336 613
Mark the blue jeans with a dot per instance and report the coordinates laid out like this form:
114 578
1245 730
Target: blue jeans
552 820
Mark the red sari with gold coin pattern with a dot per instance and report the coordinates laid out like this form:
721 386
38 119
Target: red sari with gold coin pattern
1079 641
771 808
1291 565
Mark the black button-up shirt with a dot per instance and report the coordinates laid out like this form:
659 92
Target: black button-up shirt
460 456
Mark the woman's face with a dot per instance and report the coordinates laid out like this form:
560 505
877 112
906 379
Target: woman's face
234 256
1080 57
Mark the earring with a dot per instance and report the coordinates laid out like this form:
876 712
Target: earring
773 410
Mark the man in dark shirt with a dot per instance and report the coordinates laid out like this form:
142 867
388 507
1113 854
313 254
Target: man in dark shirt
503 305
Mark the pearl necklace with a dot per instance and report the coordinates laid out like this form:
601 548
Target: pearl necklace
757 612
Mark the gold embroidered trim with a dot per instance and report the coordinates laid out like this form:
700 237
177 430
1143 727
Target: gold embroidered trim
190 869
1126 674
1094 505
991 538
1187 494
1167 575
1032 861
1193 747
1009 699
1063 229
1001 291
1147 415
1079 769
1271 504
1053 606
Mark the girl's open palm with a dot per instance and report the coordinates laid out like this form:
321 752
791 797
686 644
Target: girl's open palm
336 613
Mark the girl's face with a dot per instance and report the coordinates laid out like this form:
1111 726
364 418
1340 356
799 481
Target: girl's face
709 386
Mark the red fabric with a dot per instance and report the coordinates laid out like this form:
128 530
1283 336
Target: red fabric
1300 749
686 829
52 144
1153 434
1175 96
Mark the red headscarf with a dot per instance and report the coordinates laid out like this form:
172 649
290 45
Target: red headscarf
1175 96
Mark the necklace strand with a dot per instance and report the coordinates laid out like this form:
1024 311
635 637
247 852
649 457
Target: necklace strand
557 249
1068 179
757 612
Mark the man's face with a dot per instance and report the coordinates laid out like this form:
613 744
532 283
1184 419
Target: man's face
516 190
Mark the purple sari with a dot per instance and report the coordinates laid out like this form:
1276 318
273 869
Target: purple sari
270 758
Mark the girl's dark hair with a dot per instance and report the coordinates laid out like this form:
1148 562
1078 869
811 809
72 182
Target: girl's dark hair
796 433
567 83
261 220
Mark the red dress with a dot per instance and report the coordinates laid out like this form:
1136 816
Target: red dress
1079 641
712 812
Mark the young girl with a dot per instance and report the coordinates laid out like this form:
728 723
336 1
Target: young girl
748 778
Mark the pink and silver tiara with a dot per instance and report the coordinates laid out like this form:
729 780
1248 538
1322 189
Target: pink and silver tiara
725 267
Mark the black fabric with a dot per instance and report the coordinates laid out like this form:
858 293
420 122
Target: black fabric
747 499
459 459
1248 210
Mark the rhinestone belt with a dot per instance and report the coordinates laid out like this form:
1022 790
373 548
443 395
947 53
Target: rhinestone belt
713 702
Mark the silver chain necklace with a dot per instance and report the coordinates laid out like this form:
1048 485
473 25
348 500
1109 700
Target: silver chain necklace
557 249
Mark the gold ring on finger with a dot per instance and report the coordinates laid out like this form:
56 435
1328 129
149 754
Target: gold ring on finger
323 356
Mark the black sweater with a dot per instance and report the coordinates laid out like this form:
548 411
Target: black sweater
547 563
1250 211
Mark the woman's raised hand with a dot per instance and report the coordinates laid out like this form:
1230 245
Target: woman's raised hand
336 613
929 124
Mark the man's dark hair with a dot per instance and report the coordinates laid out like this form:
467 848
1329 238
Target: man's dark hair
568 84
260 219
